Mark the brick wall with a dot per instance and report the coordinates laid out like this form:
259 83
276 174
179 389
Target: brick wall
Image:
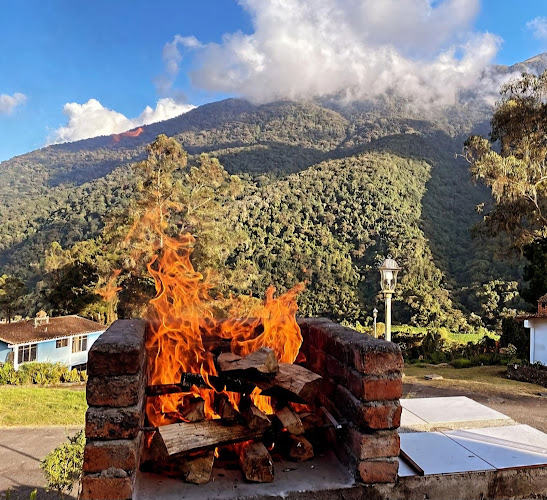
361 384
115 395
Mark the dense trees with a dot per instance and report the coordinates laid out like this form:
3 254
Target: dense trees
322 196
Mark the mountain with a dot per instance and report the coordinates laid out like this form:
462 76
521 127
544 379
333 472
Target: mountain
332 189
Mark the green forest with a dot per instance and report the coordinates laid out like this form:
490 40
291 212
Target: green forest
276 194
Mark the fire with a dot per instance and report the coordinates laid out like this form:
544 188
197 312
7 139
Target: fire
130 133
182 316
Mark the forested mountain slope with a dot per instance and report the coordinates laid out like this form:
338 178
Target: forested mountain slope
331 190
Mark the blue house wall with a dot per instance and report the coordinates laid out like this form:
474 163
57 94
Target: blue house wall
47 351
4 351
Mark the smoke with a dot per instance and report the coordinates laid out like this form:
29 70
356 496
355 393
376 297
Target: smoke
9 102
424 50
92 119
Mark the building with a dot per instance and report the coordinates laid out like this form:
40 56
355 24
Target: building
538 332
65 339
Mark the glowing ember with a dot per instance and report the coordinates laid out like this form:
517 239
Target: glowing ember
183 314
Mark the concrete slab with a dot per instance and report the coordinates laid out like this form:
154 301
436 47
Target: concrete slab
459 410
435 453
323 473
411 422
405 470
505 447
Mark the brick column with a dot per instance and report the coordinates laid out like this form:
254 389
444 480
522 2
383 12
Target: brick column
116 399
362 383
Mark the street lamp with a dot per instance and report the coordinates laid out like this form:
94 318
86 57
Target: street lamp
375 315
388 281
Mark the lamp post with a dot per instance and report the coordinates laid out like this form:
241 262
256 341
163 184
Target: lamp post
388 281
375 315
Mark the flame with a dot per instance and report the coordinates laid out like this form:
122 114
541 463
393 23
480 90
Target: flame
182 314
130 133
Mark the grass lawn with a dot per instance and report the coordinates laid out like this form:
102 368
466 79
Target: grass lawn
41 406
482 379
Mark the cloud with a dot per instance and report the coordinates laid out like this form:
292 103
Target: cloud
424 50
9 102
92 119
538 27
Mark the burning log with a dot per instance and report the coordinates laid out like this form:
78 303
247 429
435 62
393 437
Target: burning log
190 379
256 463
255 418
193 409
298 448
261 362
178 439
290 420
225 409
292 383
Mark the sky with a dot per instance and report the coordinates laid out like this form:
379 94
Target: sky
72 69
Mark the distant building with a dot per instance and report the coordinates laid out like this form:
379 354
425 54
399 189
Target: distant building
65 339
538 332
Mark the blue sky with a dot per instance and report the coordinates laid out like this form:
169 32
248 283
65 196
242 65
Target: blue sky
126 55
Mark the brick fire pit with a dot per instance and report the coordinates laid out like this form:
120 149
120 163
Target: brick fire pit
361 385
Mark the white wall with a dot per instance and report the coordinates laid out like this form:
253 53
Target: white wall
538 339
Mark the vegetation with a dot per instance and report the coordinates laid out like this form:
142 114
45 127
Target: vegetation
36 406
63 465
322 194
39 373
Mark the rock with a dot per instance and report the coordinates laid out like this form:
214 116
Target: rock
433 376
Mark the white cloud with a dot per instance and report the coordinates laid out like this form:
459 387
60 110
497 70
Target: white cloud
92 119
9 102
423 49
538 26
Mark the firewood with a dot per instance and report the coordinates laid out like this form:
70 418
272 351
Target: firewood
292 383
290 420
197 470
256 463
313 420
254 418
261 362
193 409
190 379
188 437
225 409
298 448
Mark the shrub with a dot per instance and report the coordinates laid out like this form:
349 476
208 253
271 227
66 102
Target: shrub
513 332
72 376
8 375
83 376
42 373
63 465
462 363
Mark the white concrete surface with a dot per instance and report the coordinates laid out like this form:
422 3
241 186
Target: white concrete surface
538 339
435 453
505 447
438 411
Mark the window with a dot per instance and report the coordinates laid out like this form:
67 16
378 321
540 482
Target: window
26 353
61 343
79 343
80 368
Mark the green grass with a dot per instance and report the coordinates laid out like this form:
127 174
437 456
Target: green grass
37 406
483 379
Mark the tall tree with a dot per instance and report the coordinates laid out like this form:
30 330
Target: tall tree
517 172
12 290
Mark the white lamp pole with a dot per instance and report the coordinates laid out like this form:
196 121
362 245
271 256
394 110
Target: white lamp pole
388 280
375 315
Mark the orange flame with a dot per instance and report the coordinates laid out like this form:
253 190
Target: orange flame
183 315
130 133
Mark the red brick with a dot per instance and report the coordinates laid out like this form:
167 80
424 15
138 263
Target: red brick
121 454
103 488
317 361
380 444
113 423
115 391
371 415
379 471
377 362
120 350
377 389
